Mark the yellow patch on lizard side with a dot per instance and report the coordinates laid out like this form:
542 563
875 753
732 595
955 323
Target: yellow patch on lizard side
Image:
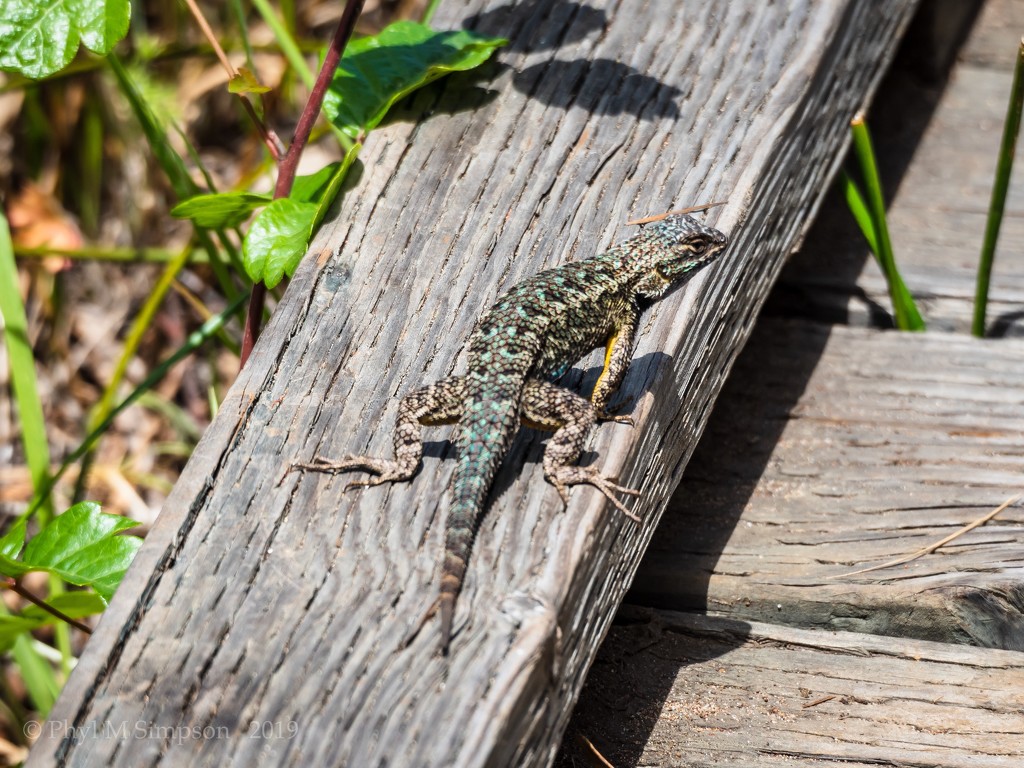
608 346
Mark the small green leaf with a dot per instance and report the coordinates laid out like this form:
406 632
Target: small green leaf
40 37
10 546
328 193
221 209
12 568
378 70
277 239
307 189
82 547
13 540
246 82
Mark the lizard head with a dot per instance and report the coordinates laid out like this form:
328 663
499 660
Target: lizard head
675 248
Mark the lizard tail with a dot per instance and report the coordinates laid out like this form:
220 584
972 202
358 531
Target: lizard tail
485 433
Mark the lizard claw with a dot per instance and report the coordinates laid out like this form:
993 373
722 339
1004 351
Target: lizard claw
611 413
566 476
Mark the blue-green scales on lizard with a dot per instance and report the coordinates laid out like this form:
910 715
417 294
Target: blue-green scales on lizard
528 339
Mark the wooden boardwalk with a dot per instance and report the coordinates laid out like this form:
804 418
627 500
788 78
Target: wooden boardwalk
678 689
835 446
284 618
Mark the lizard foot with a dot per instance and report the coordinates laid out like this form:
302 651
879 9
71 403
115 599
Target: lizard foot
563 477
611 413
386 471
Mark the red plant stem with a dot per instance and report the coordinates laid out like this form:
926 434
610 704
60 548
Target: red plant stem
287 168
286 171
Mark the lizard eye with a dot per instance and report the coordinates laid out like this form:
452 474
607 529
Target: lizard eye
700 247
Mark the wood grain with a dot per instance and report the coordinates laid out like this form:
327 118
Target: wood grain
257 600
833 449
703 691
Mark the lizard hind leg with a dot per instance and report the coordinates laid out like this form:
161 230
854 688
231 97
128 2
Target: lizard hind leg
571 417
437 404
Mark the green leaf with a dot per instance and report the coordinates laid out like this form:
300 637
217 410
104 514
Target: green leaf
246 82
307 189
13 540
221 209
378 70
329 192
277 239
82 547
12 567
40 37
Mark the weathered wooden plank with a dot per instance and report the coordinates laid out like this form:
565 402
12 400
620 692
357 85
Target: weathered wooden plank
704 691
257 601
997 31
833 448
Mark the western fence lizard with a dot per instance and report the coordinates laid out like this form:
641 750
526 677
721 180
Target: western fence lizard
527 340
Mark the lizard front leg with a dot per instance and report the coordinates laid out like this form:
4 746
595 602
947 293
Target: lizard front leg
617 356
440 403
571 417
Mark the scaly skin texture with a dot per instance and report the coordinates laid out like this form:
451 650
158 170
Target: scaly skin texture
527 340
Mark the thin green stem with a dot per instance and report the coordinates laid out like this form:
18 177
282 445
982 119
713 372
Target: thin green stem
99 253
430 10
1011 128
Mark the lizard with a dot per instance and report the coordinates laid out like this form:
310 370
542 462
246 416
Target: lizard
520 347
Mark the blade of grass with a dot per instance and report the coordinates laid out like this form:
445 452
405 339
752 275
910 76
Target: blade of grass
90 182
23 372
866 221
904 309
859 208
38 675
180 420
243 30
1011 128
